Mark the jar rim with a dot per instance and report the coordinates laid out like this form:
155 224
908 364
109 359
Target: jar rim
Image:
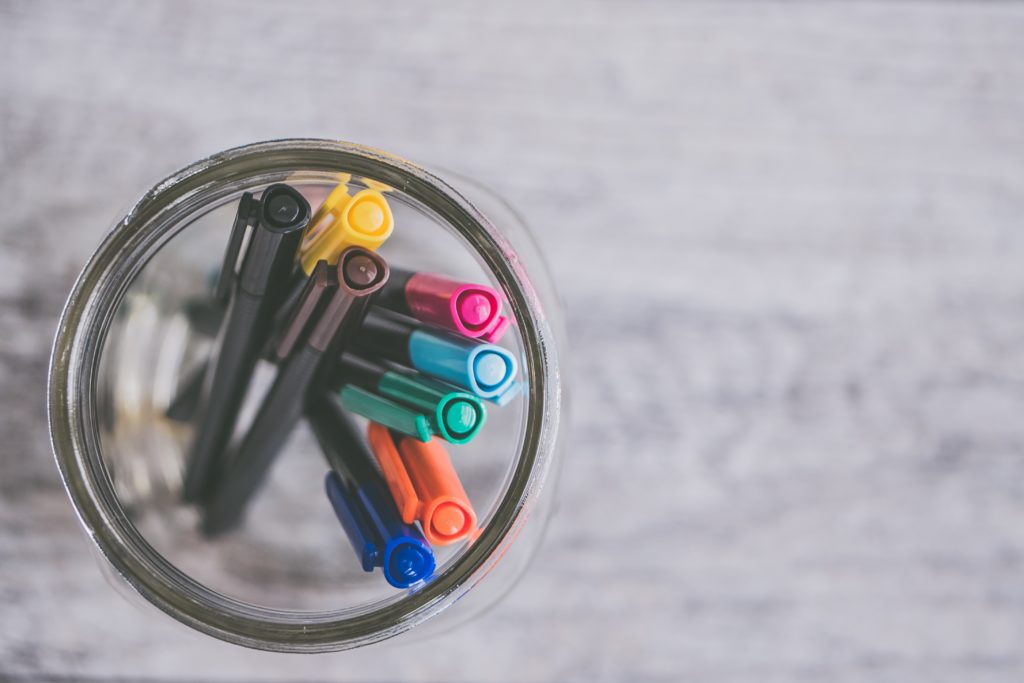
74 363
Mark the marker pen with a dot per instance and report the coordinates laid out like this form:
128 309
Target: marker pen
332 308
424 485
486 370
470 310
456 416
277 220
362 503
363 219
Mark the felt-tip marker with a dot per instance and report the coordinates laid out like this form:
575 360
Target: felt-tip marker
468 309
363 504
455 415
275 223
487 370
424 485
324 322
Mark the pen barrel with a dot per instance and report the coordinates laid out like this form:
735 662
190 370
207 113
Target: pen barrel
245 327
384 336
392 296
357 370
343 446
277 417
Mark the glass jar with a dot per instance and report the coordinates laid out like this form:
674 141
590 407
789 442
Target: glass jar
133 326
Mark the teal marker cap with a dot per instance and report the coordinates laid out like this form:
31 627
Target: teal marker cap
487 370
457 416
386 412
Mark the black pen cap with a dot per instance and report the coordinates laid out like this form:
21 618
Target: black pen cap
282 219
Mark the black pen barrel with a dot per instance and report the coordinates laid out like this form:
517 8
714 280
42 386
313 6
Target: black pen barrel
281 216
343 447
385 336
225 389
392 295
353 369
275 421
303 375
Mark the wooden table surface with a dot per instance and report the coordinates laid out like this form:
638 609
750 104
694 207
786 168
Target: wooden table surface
795 453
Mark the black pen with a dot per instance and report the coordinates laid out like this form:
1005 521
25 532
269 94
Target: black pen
332 308
275 223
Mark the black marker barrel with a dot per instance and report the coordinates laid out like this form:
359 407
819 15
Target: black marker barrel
359 274
280 218
393 296
387 336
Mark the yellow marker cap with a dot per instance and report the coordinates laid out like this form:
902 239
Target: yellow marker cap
342 221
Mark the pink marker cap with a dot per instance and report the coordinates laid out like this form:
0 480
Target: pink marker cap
469 309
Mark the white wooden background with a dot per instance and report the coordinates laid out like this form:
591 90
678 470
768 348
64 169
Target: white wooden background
811 425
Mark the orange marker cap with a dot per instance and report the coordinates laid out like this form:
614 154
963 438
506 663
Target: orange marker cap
393 469
425 486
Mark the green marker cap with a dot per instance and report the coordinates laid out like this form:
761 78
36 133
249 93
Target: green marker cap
456 415
386 412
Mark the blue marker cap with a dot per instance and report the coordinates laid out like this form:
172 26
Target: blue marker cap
485 369
379 536
504 398
350 513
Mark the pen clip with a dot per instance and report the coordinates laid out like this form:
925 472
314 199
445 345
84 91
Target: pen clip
248 207
320 281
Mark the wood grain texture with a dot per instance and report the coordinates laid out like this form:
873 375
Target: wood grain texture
808 409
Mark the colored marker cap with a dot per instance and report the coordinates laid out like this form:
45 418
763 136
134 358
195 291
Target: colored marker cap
490 369
446 514
363 220
407 561
467 309
505 397
350 512
498 330
424 485
460 417
447 520
387 412
325 215
455 415
486 370
474 309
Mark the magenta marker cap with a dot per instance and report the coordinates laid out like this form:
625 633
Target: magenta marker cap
469 309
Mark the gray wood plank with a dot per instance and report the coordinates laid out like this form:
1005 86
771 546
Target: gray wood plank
810 411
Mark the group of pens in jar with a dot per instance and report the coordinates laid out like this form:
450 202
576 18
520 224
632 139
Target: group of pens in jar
412 352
